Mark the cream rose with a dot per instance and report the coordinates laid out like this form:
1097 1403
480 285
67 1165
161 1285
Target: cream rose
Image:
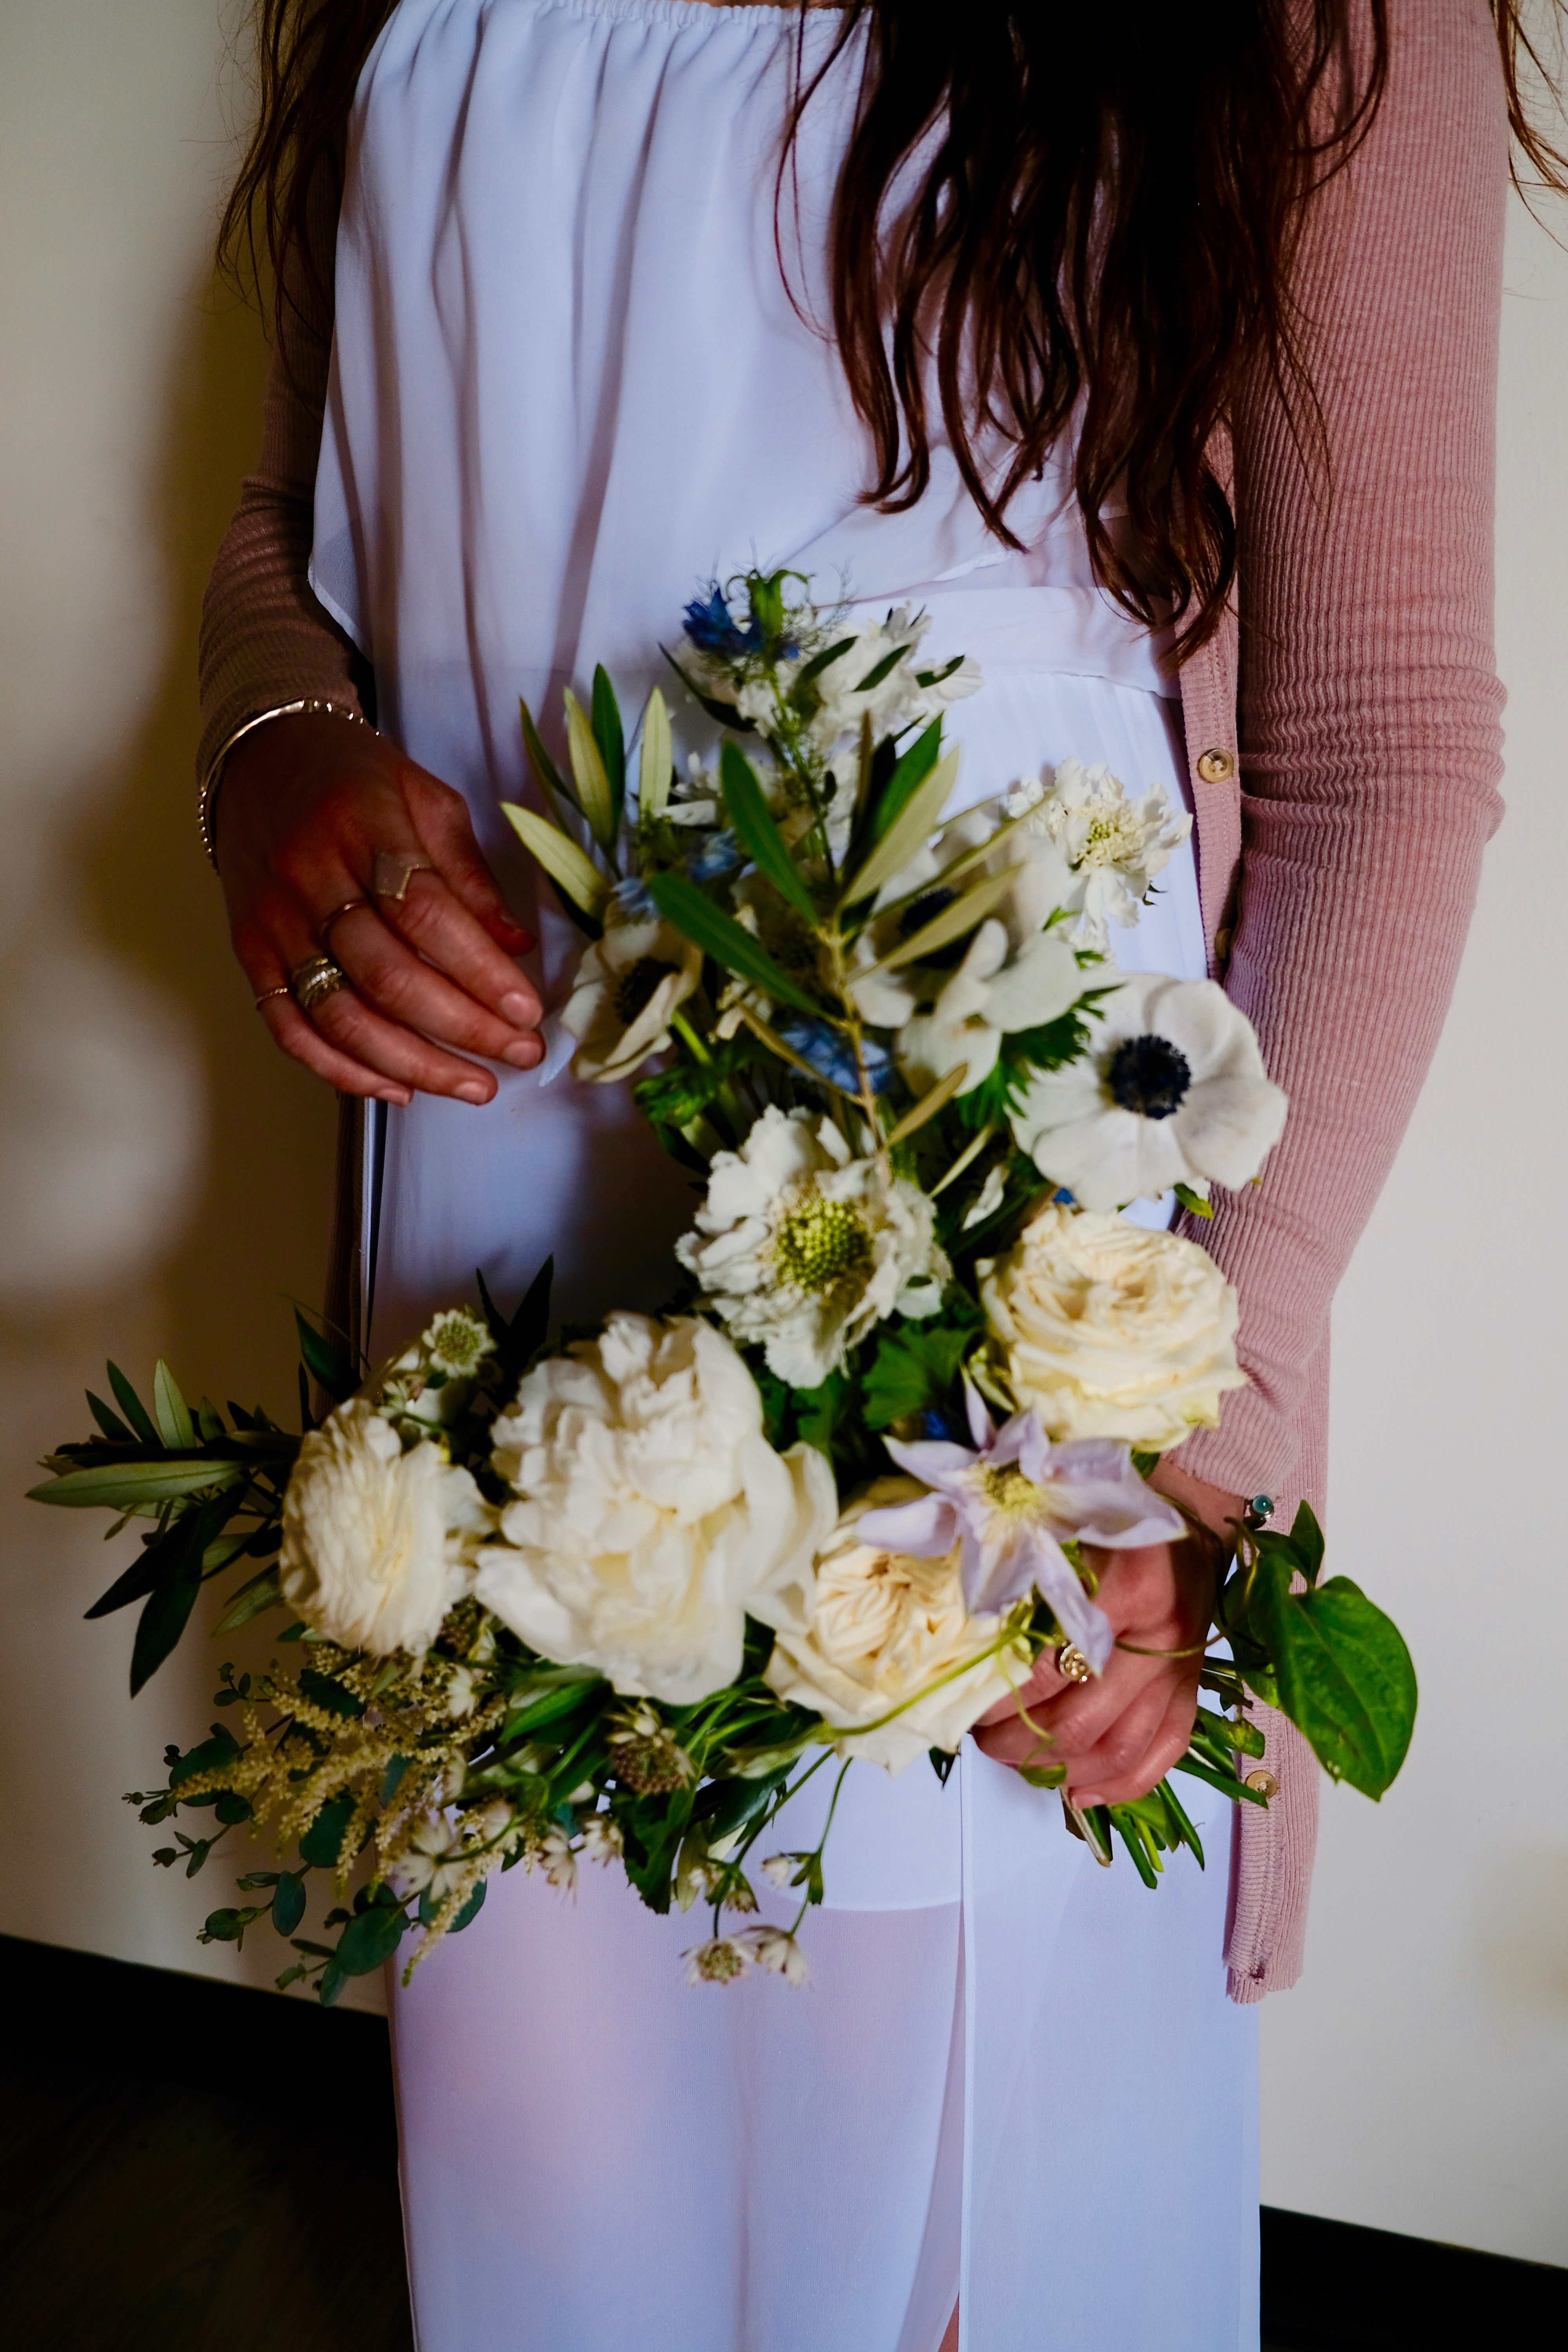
1112 1330
378 1542
866 1629
650 1509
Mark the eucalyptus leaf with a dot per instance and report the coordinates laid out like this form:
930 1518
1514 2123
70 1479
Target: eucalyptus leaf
370 1939
288 1903
322 1842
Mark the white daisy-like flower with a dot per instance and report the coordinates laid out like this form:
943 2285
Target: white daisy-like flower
434 1863
1172 1091
1112 845
997 989
627 986
802 1248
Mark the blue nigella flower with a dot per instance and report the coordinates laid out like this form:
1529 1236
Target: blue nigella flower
719 855
633 898
713 627
938 1428
831 1057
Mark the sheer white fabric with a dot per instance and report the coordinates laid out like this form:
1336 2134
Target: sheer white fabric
570 386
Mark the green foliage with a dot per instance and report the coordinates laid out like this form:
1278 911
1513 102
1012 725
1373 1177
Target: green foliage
610 736
719 935
915 1370
173 1594
330 1367
322 1842
287 1902
371 1935
758 835
1051 1047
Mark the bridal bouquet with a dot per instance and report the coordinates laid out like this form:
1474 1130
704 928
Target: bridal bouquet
616 1592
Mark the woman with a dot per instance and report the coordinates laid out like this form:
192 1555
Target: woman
1077 326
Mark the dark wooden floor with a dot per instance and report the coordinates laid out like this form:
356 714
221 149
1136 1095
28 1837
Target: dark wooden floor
143 2216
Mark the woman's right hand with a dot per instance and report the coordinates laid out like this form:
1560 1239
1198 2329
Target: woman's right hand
304 807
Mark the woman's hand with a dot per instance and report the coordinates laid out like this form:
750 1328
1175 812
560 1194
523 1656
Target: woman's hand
1120 1735
305 805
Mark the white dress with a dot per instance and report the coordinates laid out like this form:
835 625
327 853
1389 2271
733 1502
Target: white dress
570 387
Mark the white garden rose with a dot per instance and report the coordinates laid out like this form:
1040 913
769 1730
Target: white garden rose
628 984
1112 1330
802 1248
863 1629
378 1542
650 1509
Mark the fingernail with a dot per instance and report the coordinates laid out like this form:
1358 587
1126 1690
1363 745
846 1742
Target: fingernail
525 1055
393 1095
472 1091
517 932
1084 1798
522 1012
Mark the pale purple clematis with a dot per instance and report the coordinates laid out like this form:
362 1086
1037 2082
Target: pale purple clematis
1011 1501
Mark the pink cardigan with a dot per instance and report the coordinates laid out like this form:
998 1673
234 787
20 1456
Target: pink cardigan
1343 731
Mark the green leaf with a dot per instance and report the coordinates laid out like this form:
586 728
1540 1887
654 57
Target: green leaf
570 870
168 1608
1193 1203
110 1423
916 820
322 1692
288 1904
330 1984
551 782
131 1486
322 1842
132 1406
328 1365
174 1417
909 772
594 795
563 1689
913 1370
965 915
228 1927
725 713
657 762
258 1592
875 676
211 1756
470 1910
610 736
369 1941
756 832
929 1104
133 1585
720 936
232 1808
813 669
1345 1678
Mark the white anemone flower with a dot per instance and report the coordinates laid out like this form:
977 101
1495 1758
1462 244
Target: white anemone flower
1112 845
1172 1091
627 986
995 990
802 1248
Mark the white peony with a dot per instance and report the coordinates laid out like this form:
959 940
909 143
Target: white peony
628 984
1110 1330
378 1543
1172 1091
803 1249
1112 845
650 1507
865 1628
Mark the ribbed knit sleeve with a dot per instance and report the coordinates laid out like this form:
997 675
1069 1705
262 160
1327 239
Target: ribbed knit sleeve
265 639
1369 705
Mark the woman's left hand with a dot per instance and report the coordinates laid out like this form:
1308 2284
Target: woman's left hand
1119 1735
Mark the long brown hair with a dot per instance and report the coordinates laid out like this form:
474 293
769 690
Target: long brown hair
1077 212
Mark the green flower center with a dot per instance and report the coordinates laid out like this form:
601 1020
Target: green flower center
638 986
820 1243
1010 1493
458 1341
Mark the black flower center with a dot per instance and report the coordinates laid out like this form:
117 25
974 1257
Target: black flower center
1149 1075
636 987
924 909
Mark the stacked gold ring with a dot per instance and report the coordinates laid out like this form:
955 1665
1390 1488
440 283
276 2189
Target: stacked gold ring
1072 1665
312 983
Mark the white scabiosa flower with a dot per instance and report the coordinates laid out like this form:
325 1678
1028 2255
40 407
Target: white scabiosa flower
628 984
801 1248
379 1542
1112 845
649 1508
1172 1091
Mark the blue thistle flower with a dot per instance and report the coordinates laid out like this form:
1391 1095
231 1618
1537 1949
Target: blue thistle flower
713 628
634 898
832 1057
719 855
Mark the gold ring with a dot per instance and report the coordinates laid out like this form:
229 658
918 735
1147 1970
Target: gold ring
312 983
1072 1665
349 907
267 994
391 874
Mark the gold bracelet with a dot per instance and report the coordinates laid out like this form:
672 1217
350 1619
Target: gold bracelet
206 792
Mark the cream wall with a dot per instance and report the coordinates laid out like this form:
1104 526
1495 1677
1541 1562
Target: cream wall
163 1177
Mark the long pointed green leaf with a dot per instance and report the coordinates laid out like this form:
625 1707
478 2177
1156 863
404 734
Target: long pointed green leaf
657 758
908 831
173 1598
756 832
941 1095
327 1365
134 1584
132 1406
557 792
611 738
588 770
257 1592
720 936
569 867
724 712
110 1423
175 1424
131 1486
953 921
908 776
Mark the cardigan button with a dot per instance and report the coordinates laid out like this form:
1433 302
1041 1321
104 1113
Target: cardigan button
1217 766
1263 1784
